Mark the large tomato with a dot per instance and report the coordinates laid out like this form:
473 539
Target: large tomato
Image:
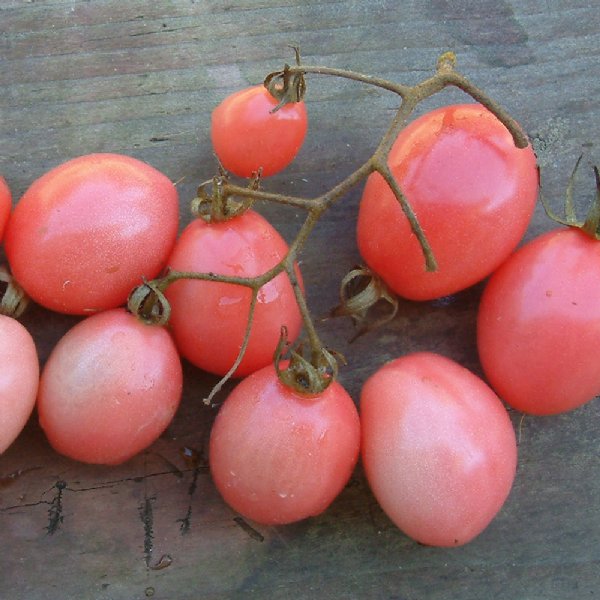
85 233
208 319
19 377
473 193
538 328
5 205
438 448
279 456
109 388
247 135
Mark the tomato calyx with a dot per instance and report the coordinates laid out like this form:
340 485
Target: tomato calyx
13 298
219 204
306 376
285 85
591 224
361 290
149 303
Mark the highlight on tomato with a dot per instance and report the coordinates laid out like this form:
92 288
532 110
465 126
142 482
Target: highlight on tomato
19 378
109 388
472 190
5 205
209 319
277 455
438 448
85 233
249 132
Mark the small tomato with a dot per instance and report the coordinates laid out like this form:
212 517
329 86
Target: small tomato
247 135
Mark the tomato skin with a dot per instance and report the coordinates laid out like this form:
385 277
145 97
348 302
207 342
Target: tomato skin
538 326
438 448
85 233
473 193
5 205
246 136
208 319
109 388
278 456
19 378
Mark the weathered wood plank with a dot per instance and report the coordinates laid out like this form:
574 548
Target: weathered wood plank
141 78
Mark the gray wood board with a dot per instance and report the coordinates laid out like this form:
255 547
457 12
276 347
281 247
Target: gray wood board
141 78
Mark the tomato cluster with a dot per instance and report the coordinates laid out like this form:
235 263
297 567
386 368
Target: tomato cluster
436 441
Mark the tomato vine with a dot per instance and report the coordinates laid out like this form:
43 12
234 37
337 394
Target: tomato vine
220 198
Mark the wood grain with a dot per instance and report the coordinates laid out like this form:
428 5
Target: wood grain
142 77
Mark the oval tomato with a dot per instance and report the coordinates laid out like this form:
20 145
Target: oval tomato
5 205
278 456
247 136
473 193
19 377
438 448
208 319
109 388
85 233
538 327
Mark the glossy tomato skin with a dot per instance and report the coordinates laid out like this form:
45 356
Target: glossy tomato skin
247 136
5 205
538 326
473 193
19 378
109 388
438 448
85 233
208 319
278 456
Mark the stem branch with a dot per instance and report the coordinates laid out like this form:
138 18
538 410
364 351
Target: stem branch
293 77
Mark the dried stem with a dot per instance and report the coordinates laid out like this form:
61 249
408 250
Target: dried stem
411 96
217 388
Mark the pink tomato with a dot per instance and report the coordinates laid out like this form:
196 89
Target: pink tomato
472 190
109 388
208 319
19 377
85 233
279 456
538 327
5 205
438 448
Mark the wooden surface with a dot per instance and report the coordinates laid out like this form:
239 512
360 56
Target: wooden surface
141 78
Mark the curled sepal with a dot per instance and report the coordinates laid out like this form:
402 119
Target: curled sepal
307 376
360 291
285 85
591 224
149 304
14 300
219 204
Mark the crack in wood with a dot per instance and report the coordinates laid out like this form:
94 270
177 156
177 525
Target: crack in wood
101 486
55 512
196 460
147 516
